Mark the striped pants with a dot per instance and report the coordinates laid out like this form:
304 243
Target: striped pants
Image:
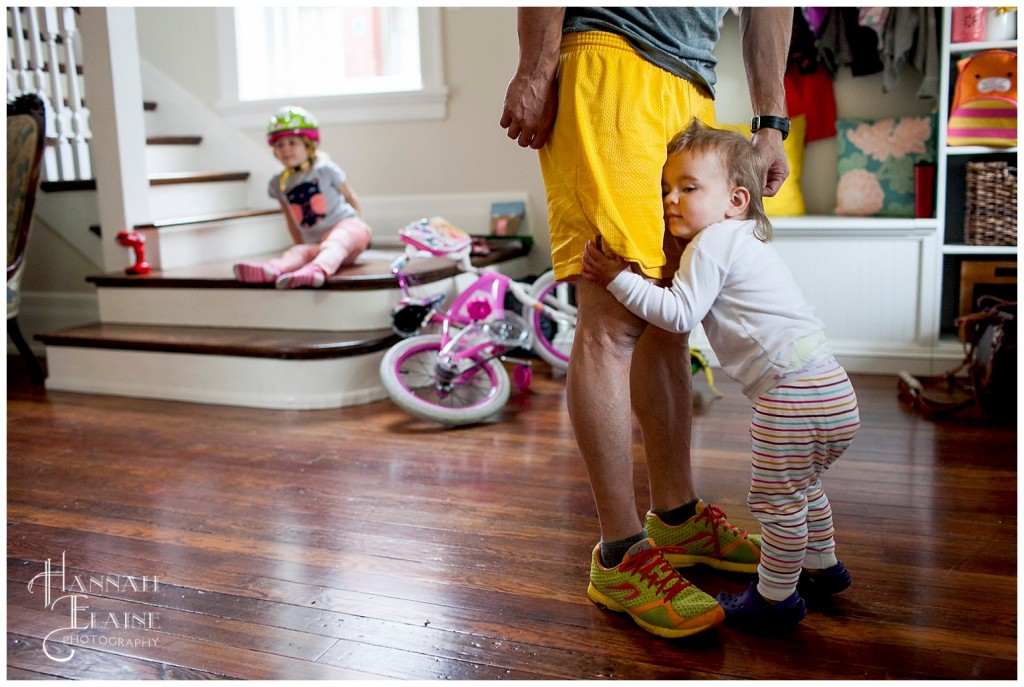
798 430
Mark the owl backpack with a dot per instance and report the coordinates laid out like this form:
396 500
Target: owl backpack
984 110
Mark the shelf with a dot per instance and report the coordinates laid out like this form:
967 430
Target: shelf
961 48
979 150
835 226
953 162
964 249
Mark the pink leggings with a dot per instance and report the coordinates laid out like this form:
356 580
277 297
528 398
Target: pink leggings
341 246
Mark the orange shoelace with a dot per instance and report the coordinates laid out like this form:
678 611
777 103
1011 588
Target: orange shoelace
656 571
716 518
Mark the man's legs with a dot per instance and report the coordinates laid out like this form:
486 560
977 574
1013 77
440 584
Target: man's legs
661 389
638 580
597 388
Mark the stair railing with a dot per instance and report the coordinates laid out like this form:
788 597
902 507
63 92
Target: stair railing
44 54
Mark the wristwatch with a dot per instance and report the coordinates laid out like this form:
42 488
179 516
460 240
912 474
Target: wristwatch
770 122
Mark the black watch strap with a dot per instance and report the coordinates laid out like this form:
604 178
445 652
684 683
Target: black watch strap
770 122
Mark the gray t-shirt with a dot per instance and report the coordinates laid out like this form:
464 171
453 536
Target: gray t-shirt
677 39
314 199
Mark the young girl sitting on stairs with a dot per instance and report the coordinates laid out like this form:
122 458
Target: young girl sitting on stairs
320 206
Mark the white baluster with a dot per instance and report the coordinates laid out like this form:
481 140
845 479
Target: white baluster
80 118
35 46
60 164
20 52
12 74
43 87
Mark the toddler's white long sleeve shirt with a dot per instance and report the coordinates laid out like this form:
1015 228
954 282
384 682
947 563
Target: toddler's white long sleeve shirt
754 314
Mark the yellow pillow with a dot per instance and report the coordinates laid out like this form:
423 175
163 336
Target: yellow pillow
789 201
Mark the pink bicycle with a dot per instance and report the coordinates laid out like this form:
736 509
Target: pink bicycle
455 375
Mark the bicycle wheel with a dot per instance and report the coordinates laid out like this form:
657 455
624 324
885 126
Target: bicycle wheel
408 371
552 338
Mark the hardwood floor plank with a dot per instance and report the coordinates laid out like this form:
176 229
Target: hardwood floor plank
364 544
25 656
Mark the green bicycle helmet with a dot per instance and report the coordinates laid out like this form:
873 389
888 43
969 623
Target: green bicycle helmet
293 121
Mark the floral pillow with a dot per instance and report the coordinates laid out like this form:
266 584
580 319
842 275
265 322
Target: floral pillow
875 169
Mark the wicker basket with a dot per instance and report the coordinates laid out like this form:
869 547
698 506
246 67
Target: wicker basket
991 204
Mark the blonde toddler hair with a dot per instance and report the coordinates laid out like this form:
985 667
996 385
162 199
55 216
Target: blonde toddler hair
745 166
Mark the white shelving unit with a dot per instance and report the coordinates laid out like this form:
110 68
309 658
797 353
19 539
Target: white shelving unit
951 190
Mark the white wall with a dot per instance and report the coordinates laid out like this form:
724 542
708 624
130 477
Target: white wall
468 152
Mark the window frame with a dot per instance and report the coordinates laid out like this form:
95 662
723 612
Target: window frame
430 102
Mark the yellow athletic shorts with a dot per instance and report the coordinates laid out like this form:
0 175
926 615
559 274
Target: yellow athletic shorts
602 165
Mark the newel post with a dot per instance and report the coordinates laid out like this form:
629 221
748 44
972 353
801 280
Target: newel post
118 127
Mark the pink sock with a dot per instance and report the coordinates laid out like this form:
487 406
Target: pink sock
310 275
256 273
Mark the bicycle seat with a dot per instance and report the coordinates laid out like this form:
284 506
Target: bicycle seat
436 236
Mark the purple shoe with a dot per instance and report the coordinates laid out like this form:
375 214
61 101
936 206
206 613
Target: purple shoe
750 611
824 584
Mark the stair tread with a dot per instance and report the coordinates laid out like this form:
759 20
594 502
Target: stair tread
164 179
215 217
174 140
371 271
167 178
286 344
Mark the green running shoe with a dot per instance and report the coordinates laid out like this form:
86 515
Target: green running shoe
706 538
654 595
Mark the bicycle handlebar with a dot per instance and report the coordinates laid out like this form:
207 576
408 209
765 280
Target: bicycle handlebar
464 263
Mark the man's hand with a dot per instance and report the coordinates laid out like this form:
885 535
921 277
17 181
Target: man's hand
600 268
529 112
531 99
769 143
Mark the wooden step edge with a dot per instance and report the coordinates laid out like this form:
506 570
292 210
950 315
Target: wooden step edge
170 178
338 282
174 140
154 180
206 219
359 277
279 344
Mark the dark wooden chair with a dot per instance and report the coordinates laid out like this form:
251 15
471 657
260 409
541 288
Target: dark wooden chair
26 136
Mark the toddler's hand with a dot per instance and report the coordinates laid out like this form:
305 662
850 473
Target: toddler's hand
600 268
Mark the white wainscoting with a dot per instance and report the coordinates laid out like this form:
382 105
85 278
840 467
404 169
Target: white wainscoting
872 281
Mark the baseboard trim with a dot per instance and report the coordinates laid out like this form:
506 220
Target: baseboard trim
51 310
218 380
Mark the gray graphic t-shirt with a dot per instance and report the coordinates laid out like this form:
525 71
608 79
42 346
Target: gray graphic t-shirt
313 198
677 39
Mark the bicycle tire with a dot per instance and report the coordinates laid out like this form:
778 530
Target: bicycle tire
407 372
552 339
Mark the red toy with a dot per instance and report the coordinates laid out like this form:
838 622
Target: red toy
137 242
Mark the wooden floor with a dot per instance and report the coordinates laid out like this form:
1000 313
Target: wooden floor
219 542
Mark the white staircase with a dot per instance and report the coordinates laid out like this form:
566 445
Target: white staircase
188 331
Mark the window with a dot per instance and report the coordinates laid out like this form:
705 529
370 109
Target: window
342 63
